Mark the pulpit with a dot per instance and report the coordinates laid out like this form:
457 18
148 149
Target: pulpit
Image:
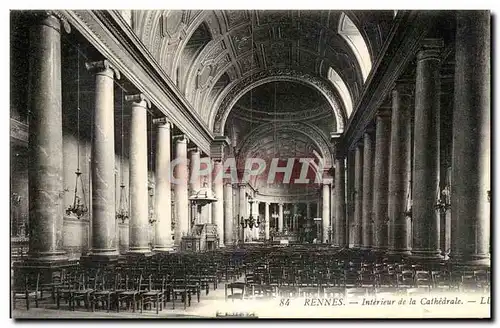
203 237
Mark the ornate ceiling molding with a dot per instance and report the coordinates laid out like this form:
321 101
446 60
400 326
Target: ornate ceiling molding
226 101
401 45
114 39
310 132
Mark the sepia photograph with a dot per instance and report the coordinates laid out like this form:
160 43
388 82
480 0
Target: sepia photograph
250 164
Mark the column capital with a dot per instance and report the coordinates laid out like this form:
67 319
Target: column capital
103 67
44 17
194 149
403 88
383 112
180 138
369 131
430 49
162 122
281 204
217 147
139 99
359 143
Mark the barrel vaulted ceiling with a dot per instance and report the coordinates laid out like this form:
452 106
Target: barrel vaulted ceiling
215 55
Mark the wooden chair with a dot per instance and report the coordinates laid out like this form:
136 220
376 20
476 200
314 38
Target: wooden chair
154 295
26 287
180 288
86 286
237 290
67 285
105 292
128 290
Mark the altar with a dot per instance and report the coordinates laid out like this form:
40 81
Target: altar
289 237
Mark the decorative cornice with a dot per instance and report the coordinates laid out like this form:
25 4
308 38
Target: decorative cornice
403 42
231 95
112 36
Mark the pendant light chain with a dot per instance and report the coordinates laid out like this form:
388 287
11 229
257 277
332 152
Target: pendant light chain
79 206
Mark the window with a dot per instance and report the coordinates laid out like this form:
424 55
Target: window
351 34
341 87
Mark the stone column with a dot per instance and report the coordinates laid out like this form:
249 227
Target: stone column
367 219
340 239
333 209
358 196
194 181
381 180
206 181
163 193
399 170
310 222
471 165
138 175
350 177
243 210
104 240
325 212
280 217
218 206
426 164
45 167
228 213
255 214
266 218
180 174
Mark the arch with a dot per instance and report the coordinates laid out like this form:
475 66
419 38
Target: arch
226 101
351 34
309 131
340 85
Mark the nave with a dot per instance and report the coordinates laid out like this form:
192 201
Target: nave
280 154
197 285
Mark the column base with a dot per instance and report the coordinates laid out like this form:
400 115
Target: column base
163 249
470 260
139 250
426 255
99 259
398 254
139 253
379 251
47 257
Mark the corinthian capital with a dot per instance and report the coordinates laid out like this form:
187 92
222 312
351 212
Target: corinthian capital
51 18
103 67
140 99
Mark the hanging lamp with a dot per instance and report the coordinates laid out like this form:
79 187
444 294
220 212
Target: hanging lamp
79 205
122 213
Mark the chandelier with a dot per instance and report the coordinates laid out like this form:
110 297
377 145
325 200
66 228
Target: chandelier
251 221
443 203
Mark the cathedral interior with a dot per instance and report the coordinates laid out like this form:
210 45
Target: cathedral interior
161 159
